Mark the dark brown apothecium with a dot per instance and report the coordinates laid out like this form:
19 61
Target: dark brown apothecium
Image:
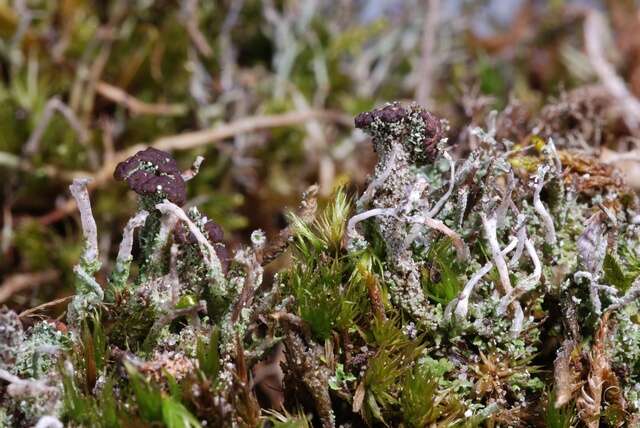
395 121
433 133
223 255
214 230
389 113
213 233
151 171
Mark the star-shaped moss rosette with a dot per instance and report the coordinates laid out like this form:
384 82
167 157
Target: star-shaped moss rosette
152 171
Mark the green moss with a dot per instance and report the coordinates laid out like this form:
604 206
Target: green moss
393 360
154 406
209 356
129 321
89 410
442 278
424 402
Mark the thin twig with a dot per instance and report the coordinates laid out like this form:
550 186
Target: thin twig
195 139
190 19
136 106
594 31
29 312
53 105
429 31
24 281
190 140
18 163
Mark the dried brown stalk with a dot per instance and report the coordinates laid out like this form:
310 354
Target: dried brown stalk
24 281
567 373
190 140
136 106
594 31
602 383
31 311
429 30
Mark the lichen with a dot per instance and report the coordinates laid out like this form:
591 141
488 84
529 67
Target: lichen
493 287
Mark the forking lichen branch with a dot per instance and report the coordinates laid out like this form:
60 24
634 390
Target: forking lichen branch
541 210
208 252
460 305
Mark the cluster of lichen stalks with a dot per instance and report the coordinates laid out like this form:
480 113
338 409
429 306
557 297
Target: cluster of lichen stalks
491 290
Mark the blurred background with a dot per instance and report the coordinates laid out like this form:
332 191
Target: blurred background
266 91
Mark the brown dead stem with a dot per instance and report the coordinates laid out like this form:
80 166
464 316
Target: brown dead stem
246 403
191 140
24 281
31 311
303 365
602 383
136 106
567 373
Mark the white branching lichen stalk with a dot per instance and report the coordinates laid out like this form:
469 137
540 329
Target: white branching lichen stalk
193 171
541 210
489 224
460 305
208 252
528 283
